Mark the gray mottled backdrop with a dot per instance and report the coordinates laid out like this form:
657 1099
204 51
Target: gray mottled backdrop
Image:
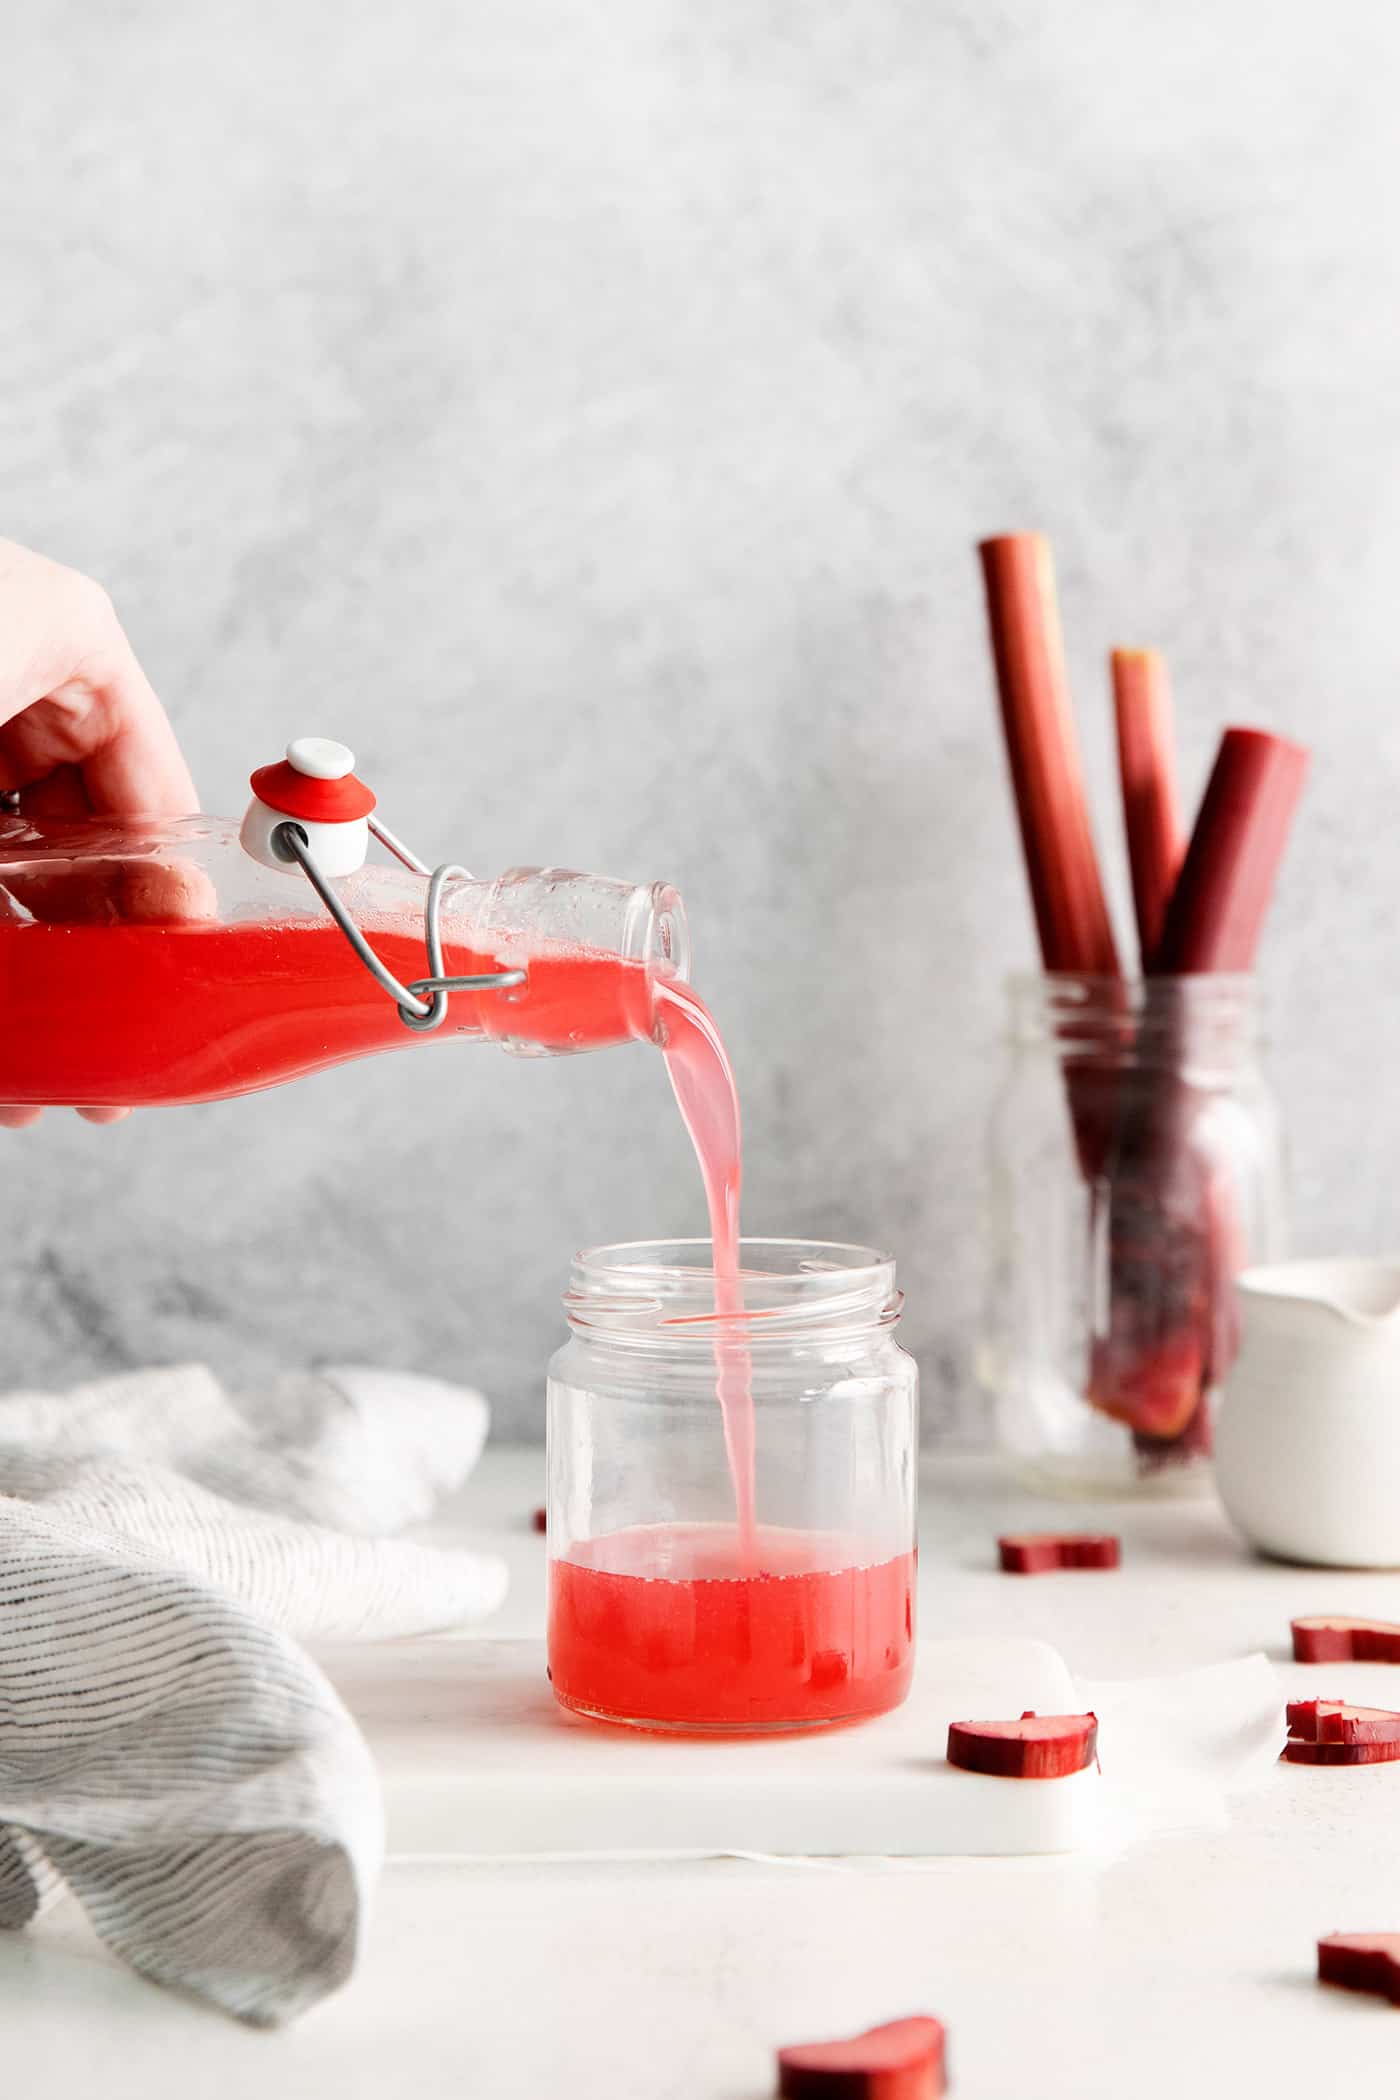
586 408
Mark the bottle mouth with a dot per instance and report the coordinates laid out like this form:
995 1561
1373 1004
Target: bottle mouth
662 1292
657 934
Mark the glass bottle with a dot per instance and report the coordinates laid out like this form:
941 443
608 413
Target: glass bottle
1135 1166
663 1612
156 962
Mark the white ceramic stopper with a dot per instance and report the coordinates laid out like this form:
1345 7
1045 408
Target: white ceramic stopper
320 757
332 820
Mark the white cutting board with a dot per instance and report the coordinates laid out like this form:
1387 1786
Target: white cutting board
479 1761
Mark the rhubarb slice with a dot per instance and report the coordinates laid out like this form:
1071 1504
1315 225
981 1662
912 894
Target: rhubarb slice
1361 1961
539 1520
1332 1721
901 2061
1038 1746
1222 894
1325 1640
1142 708
1384 1752
1038 1552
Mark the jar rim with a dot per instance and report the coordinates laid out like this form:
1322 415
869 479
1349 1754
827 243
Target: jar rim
664 1290
1241 986
1210 1021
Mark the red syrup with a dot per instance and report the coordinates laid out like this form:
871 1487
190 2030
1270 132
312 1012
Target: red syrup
672 1627
702 1080
135 1015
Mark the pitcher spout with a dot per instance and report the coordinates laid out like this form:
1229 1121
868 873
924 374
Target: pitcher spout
1363 1293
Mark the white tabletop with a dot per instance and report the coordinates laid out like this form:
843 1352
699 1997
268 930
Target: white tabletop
1184 1967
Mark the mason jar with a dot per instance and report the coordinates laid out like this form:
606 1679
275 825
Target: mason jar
731 1499
1135 1168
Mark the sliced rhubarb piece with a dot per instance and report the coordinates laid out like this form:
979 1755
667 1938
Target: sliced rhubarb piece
901 2061
1071 911
1361 1961
1038 1552
1384 1752
1333 1721
1325 1640
1038 1746
1223 892
1142 708
539 1520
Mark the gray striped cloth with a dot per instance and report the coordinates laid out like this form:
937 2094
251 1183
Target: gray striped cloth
168 1753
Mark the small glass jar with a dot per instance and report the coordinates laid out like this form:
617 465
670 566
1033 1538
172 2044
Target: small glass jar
740 1567
1135 1169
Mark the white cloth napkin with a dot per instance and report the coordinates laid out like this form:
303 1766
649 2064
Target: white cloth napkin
166 1749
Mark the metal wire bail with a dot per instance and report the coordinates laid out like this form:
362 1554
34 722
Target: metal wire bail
422 1004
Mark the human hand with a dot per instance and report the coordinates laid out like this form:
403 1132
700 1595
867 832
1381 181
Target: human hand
81 730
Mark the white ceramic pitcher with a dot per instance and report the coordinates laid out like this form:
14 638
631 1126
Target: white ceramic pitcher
1308 1437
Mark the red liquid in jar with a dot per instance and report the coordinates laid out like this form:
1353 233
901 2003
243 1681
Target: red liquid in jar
690 1628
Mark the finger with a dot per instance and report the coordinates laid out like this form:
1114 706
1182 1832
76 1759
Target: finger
104 1115
71 892
73 694
162 892
140 769
61 795
18 1118
99 892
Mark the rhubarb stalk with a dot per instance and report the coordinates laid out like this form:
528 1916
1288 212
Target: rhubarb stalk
1071 911
1174 1243
1142 708
1227 879
1052 806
